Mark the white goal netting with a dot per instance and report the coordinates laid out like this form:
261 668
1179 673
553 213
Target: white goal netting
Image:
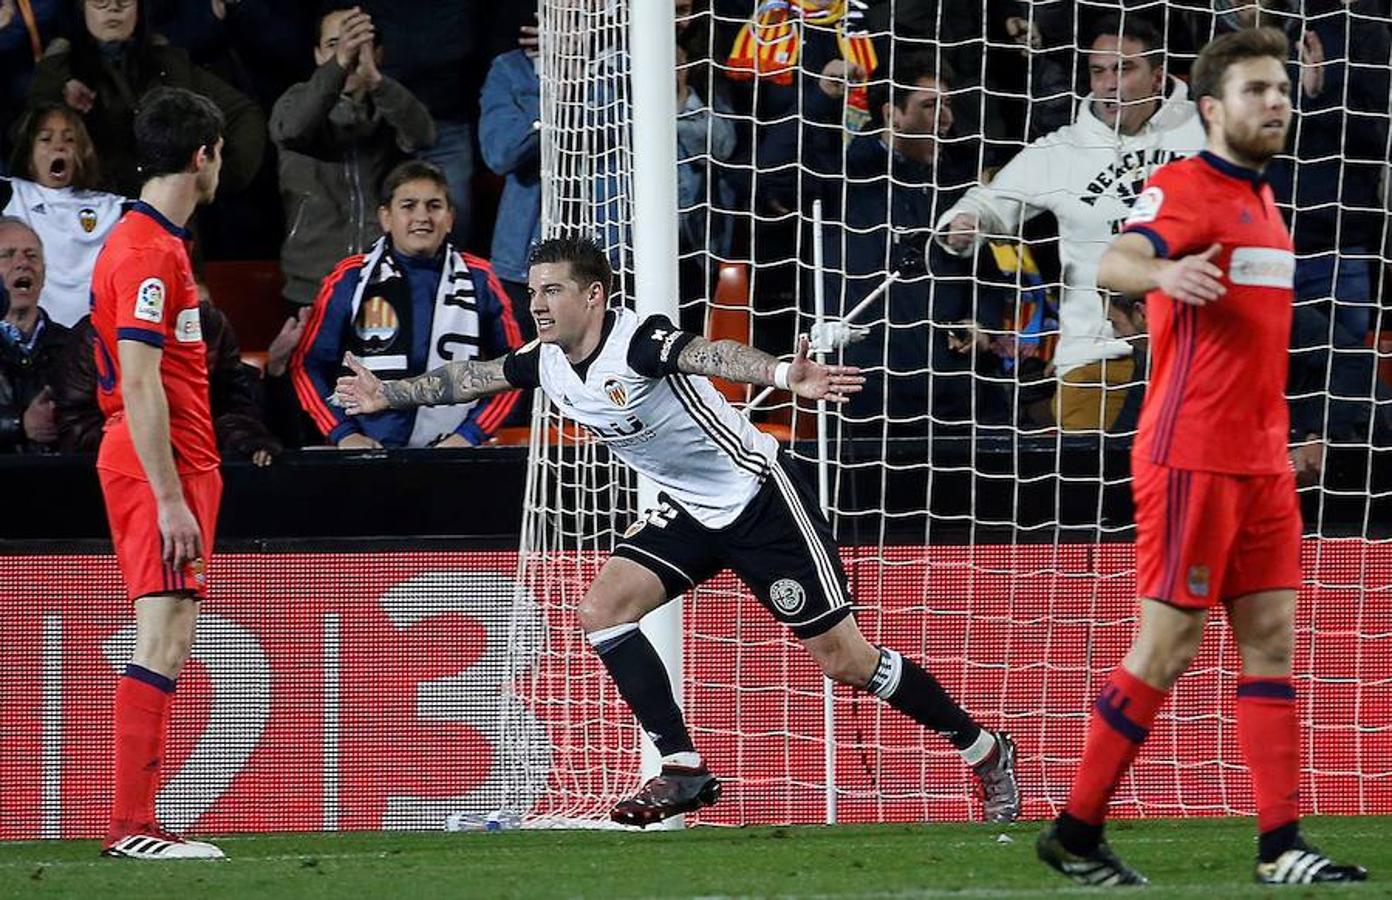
980 485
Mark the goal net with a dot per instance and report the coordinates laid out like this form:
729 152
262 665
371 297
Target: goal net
980 485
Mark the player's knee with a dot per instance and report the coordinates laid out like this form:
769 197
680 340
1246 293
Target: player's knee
851 665
165 653
1161 666
1270 652
598 611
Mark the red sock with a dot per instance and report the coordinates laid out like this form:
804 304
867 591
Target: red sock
1121 719
1268 730
141 722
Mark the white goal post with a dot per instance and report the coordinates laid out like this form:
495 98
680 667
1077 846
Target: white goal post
984 541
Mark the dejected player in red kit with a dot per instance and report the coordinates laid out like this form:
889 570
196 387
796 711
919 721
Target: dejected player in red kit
158 462
1217 518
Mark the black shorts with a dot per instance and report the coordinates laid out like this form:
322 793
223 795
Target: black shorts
781 546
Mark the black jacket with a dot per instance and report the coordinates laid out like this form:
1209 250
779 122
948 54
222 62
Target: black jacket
24 373
233 393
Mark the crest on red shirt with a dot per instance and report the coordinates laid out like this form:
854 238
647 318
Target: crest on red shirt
1198 581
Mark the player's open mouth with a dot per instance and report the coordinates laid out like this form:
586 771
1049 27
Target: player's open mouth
24 283
58 168
544 322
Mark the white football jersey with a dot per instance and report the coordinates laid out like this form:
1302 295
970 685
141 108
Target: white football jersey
72 226
675 428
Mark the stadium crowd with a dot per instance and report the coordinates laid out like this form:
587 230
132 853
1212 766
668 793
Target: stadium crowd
386 155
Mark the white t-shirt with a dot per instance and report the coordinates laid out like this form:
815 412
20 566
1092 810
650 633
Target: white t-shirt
675 428
72 225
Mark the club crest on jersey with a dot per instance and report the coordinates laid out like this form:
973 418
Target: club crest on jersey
787 596
149 300
633 529
615 390
1198 581
87 218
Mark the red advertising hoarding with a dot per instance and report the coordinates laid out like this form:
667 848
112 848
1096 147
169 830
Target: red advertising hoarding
364 690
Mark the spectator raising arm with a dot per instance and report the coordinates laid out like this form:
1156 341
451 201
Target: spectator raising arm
510 115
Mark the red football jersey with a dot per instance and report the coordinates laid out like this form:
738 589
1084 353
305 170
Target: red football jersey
1216 400
143 290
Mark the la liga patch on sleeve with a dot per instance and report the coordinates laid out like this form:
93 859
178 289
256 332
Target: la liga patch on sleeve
149 300
1147 206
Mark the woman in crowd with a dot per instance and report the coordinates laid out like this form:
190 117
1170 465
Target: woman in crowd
111 61
53 191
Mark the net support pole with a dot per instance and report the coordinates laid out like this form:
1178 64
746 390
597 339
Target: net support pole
653 60
824 501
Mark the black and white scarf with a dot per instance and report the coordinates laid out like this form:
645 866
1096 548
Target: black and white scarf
454 329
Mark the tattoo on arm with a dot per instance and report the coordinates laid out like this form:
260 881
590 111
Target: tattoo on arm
456 382
727 359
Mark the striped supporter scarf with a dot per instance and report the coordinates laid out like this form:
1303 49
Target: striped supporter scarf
770 44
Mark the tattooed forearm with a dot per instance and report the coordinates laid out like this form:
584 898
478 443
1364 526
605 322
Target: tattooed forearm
456 382
728 359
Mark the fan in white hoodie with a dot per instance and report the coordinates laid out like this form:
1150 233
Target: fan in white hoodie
1088 174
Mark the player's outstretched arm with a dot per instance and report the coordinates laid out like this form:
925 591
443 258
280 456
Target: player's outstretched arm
1130 267
739 362
457 382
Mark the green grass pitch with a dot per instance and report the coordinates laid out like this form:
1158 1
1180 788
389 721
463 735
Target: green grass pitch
1209 858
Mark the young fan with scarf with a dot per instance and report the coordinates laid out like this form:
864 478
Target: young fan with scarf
412 303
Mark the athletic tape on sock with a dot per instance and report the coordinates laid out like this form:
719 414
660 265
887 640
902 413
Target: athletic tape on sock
885 681
605 639
980 748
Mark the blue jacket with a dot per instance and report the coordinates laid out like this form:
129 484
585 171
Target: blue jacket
318 362
891 204
510 109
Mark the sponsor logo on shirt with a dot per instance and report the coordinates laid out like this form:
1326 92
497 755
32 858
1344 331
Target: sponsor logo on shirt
1262 267
188 327
668 338
1147 206
622 434
149 300
1127 175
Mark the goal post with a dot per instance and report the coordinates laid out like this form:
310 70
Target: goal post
652 47
979 539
